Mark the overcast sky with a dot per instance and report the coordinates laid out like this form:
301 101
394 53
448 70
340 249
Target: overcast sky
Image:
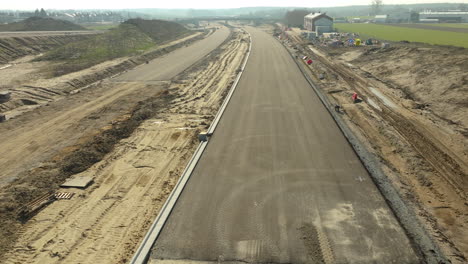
199 4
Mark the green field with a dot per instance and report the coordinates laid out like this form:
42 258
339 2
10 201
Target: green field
450 25
385 32
101 26
361 17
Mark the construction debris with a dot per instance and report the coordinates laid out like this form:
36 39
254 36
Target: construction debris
64 195
29 209
78 182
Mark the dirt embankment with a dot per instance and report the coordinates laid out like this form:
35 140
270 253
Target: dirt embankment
413 116
435 78
131 38
129 63
133 179
31 88
41 24
13 48
159 30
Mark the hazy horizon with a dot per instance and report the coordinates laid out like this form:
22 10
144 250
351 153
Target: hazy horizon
207 4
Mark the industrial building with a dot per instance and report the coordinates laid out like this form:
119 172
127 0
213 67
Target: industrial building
447 16
381 19
400 17
318 22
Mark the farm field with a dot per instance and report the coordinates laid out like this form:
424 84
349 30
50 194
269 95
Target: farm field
393 33
451 25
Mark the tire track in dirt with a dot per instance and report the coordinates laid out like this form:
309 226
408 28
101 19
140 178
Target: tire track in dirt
105 222
200 88
420 139
431 177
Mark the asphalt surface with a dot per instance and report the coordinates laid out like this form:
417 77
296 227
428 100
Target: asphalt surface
278 182
173 63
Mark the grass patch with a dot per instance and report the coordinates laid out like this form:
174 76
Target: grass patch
133 37
159 30
124 40
450 25
361 17
391 33
100 26
40 24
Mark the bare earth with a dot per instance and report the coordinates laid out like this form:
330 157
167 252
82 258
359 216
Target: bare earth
30 86
279 183
414 116
105 222
417 124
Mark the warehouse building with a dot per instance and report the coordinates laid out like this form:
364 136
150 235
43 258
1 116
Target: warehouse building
444 17
400 17
318 22
381 19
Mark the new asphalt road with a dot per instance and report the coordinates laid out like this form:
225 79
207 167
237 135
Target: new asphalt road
279 183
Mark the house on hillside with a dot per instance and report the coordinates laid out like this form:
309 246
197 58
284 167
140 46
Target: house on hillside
318 22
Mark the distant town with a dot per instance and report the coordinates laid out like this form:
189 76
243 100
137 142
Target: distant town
376 12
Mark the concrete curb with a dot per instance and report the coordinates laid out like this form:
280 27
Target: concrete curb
422 242
143 252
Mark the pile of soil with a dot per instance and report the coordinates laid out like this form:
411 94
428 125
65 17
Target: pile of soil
422 138
433 76
159 30
17 47
41 24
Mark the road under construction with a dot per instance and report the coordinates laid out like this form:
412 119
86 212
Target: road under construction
279 183
277 180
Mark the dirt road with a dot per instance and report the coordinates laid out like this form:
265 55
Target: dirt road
279 183
37 137
104 223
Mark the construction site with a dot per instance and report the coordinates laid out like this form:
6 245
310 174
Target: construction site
231 142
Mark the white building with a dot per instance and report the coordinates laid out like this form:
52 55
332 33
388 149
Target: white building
381 19
448 16
321 21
